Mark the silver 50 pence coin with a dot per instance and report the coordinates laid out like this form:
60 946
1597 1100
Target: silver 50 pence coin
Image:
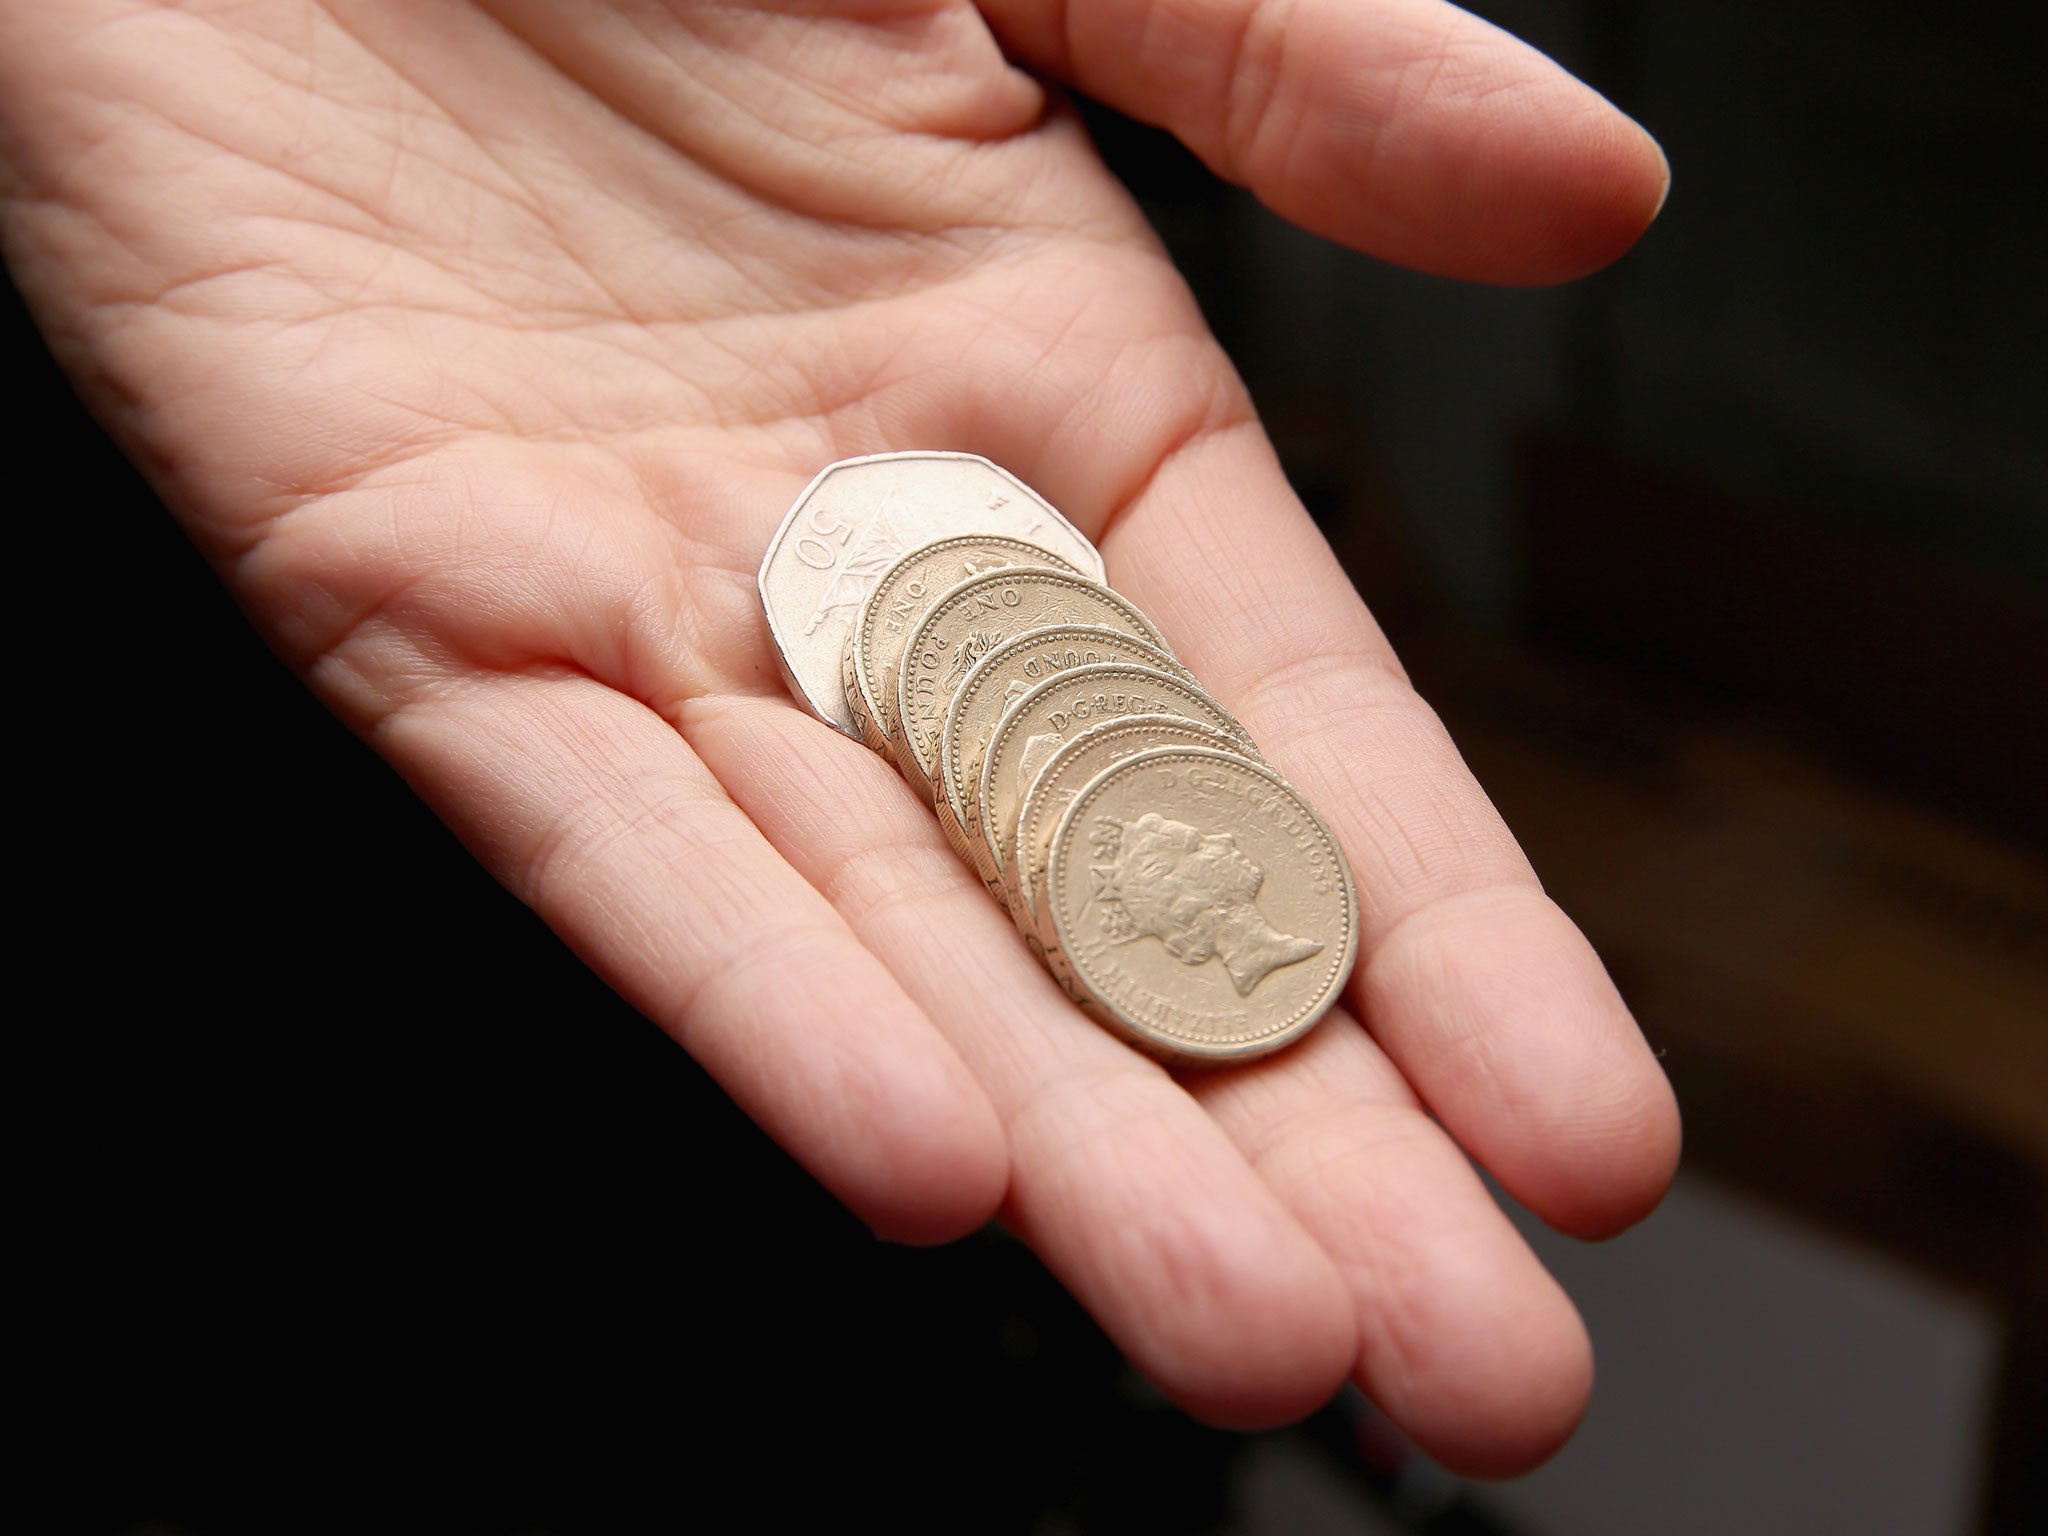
858 518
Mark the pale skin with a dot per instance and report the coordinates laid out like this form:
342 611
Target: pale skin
482 347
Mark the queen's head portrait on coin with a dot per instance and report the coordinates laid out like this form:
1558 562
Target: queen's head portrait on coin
1197 894
1195 904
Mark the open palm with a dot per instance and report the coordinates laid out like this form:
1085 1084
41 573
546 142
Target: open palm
483 346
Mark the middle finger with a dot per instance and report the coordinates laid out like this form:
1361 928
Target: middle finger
1126 1189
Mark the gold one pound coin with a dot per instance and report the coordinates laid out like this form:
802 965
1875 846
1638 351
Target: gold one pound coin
1198 907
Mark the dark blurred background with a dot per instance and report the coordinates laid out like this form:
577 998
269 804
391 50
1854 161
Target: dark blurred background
353 1201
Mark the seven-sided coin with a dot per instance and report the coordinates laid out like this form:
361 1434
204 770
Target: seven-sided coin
856 520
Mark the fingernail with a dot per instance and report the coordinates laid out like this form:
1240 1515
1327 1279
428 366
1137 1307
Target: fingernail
1664 196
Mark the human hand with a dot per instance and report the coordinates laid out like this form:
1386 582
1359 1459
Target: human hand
482 347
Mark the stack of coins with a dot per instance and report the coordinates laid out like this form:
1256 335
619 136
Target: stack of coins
1184 894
